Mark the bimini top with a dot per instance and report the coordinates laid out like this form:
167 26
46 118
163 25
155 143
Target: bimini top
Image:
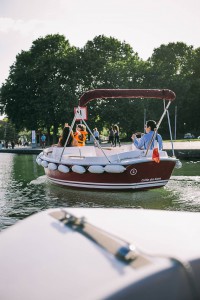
126 93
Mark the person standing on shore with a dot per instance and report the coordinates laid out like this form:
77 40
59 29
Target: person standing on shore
96 134
43 140
111 136
116 135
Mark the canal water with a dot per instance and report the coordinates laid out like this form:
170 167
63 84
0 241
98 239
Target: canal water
24 190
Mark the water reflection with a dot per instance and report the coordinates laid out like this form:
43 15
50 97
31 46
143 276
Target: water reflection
25 190
123 199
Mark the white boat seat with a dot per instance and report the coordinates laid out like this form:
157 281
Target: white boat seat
87 151
73 151
129 154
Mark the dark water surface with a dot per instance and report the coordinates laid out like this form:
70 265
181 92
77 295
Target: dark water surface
24 190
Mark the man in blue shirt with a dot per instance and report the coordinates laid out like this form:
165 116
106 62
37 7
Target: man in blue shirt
145 140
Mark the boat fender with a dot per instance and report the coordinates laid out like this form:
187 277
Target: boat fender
96 169
52 166
178 164
78 169
39 155
63 169
38 160
114 169
44 163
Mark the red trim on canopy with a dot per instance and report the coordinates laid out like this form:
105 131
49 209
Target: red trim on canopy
126 93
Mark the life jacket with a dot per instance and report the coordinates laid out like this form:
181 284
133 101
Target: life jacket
80 136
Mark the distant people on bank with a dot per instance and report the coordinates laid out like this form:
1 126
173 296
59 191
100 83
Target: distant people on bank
96 134
12 144
43 140
25 143
146 141
1 145
116 136
6 144
111 136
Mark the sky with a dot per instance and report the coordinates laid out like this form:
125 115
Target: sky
144 24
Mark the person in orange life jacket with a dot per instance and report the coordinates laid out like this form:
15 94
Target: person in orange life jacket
144 141
80 134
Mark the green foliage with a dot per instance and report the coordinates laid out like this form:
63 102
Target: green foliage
38 92
45 83
7 131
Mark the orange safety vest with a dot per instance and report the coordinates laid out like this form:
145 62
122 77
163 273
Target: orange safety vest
80 136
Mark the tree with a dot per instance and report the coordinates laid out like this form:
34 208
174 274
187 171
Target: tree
39 87
108 63
45 83
7 130
171 68
192 109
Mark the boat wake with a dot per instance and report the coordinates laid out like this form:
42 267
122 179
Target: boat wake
186 191
39 180
185 178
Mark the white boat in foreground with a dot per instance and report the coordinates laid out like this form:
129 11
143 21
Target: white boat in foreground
110 168
73 253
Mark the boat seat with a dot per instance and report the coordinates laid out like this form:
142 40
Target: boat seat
84 151
57 151
87 151
129 154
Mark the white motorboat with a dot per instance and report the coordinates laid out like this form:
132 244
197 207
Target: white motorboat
99 167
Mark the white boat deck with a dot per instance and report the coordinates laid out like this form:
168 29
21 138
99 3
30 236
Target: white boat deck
94 155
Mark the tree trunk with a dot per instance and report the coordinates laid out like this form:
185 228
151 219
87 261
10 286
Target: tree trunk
48 137
55 132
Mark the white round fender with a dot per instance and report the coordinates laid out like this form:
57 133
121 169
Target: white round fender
96 169
78 169
63 169
38 160
44 163
52 166
114 169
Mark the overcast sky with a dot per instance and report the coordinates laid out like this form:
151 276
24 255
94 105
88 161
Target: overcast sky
144 24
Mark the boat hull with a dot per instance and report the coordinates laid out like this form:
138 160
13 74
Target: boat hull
139 176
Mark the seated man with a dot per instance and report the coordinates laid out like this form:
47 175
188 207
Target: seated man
146 139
